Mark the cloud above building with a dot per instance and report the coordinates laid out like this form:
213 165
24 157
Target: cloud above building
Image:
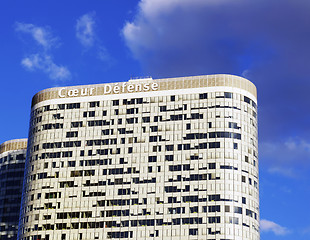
46 64
204 36
42 59
269 226
85 33
41 35
84 29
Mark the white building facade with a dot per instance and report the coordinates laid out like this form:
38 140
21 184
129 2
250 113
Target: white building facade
145 159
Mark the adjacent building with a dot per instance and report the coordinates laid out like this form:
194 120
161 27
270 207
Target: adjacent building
149 158
12 164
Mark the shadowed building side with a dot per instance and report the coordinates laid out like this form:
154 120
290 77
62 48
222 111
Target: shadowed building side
12 165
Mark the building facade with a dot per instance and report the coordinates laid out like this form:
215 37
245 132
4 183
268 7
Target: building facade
12 165
144 159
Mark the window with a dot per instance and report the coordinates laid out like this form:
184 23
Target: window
212 165
89 114
243 178
227 208
152 158
76 124
247 100
169 147
238 210
146 119
234 220
94 104
203 96
72 134
154 128
130 150
194 209
73 105
193 231
228 95
214 219
216 208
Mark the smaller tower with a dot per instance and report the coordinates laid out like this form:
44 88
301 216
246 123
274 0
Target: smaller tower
12 165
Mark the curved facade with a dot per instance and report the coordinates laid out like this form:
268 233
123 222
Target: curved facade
145 159
12 165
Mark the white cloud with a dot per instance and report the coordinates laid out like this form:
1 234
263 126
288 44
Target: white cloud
85 29
187 37
285 171
40 34
291 150
269 226
42 60
306 230
45 63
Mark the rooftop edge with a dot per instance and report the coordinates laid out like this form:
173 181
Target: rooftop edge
14 144
149 84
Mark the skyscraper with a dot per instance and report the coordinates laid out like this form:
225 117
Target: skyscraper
12 164
145 159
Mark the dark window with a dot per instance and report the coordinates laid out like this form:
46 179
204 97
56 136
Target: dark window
247 100
243 178
214 219
76 124
169 147
212 165
193 231
238 210
94 104
203 96
73 105
146 119
72 134
152 158
169 157
228 95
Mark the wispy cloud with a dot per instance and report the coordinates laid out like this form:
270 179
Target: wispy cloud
42 60
286 157
286 151
306 231
85 29
41 35
269 226
46 64
86 34
287 172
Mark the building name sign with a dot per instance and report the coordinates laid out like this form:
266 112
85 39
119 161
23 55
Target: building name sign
116 88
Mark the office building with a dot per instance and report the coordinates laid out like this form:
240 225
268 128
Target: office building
12 165
145 159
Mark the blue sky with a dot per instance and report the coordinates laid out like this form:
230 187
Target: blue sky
58 43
